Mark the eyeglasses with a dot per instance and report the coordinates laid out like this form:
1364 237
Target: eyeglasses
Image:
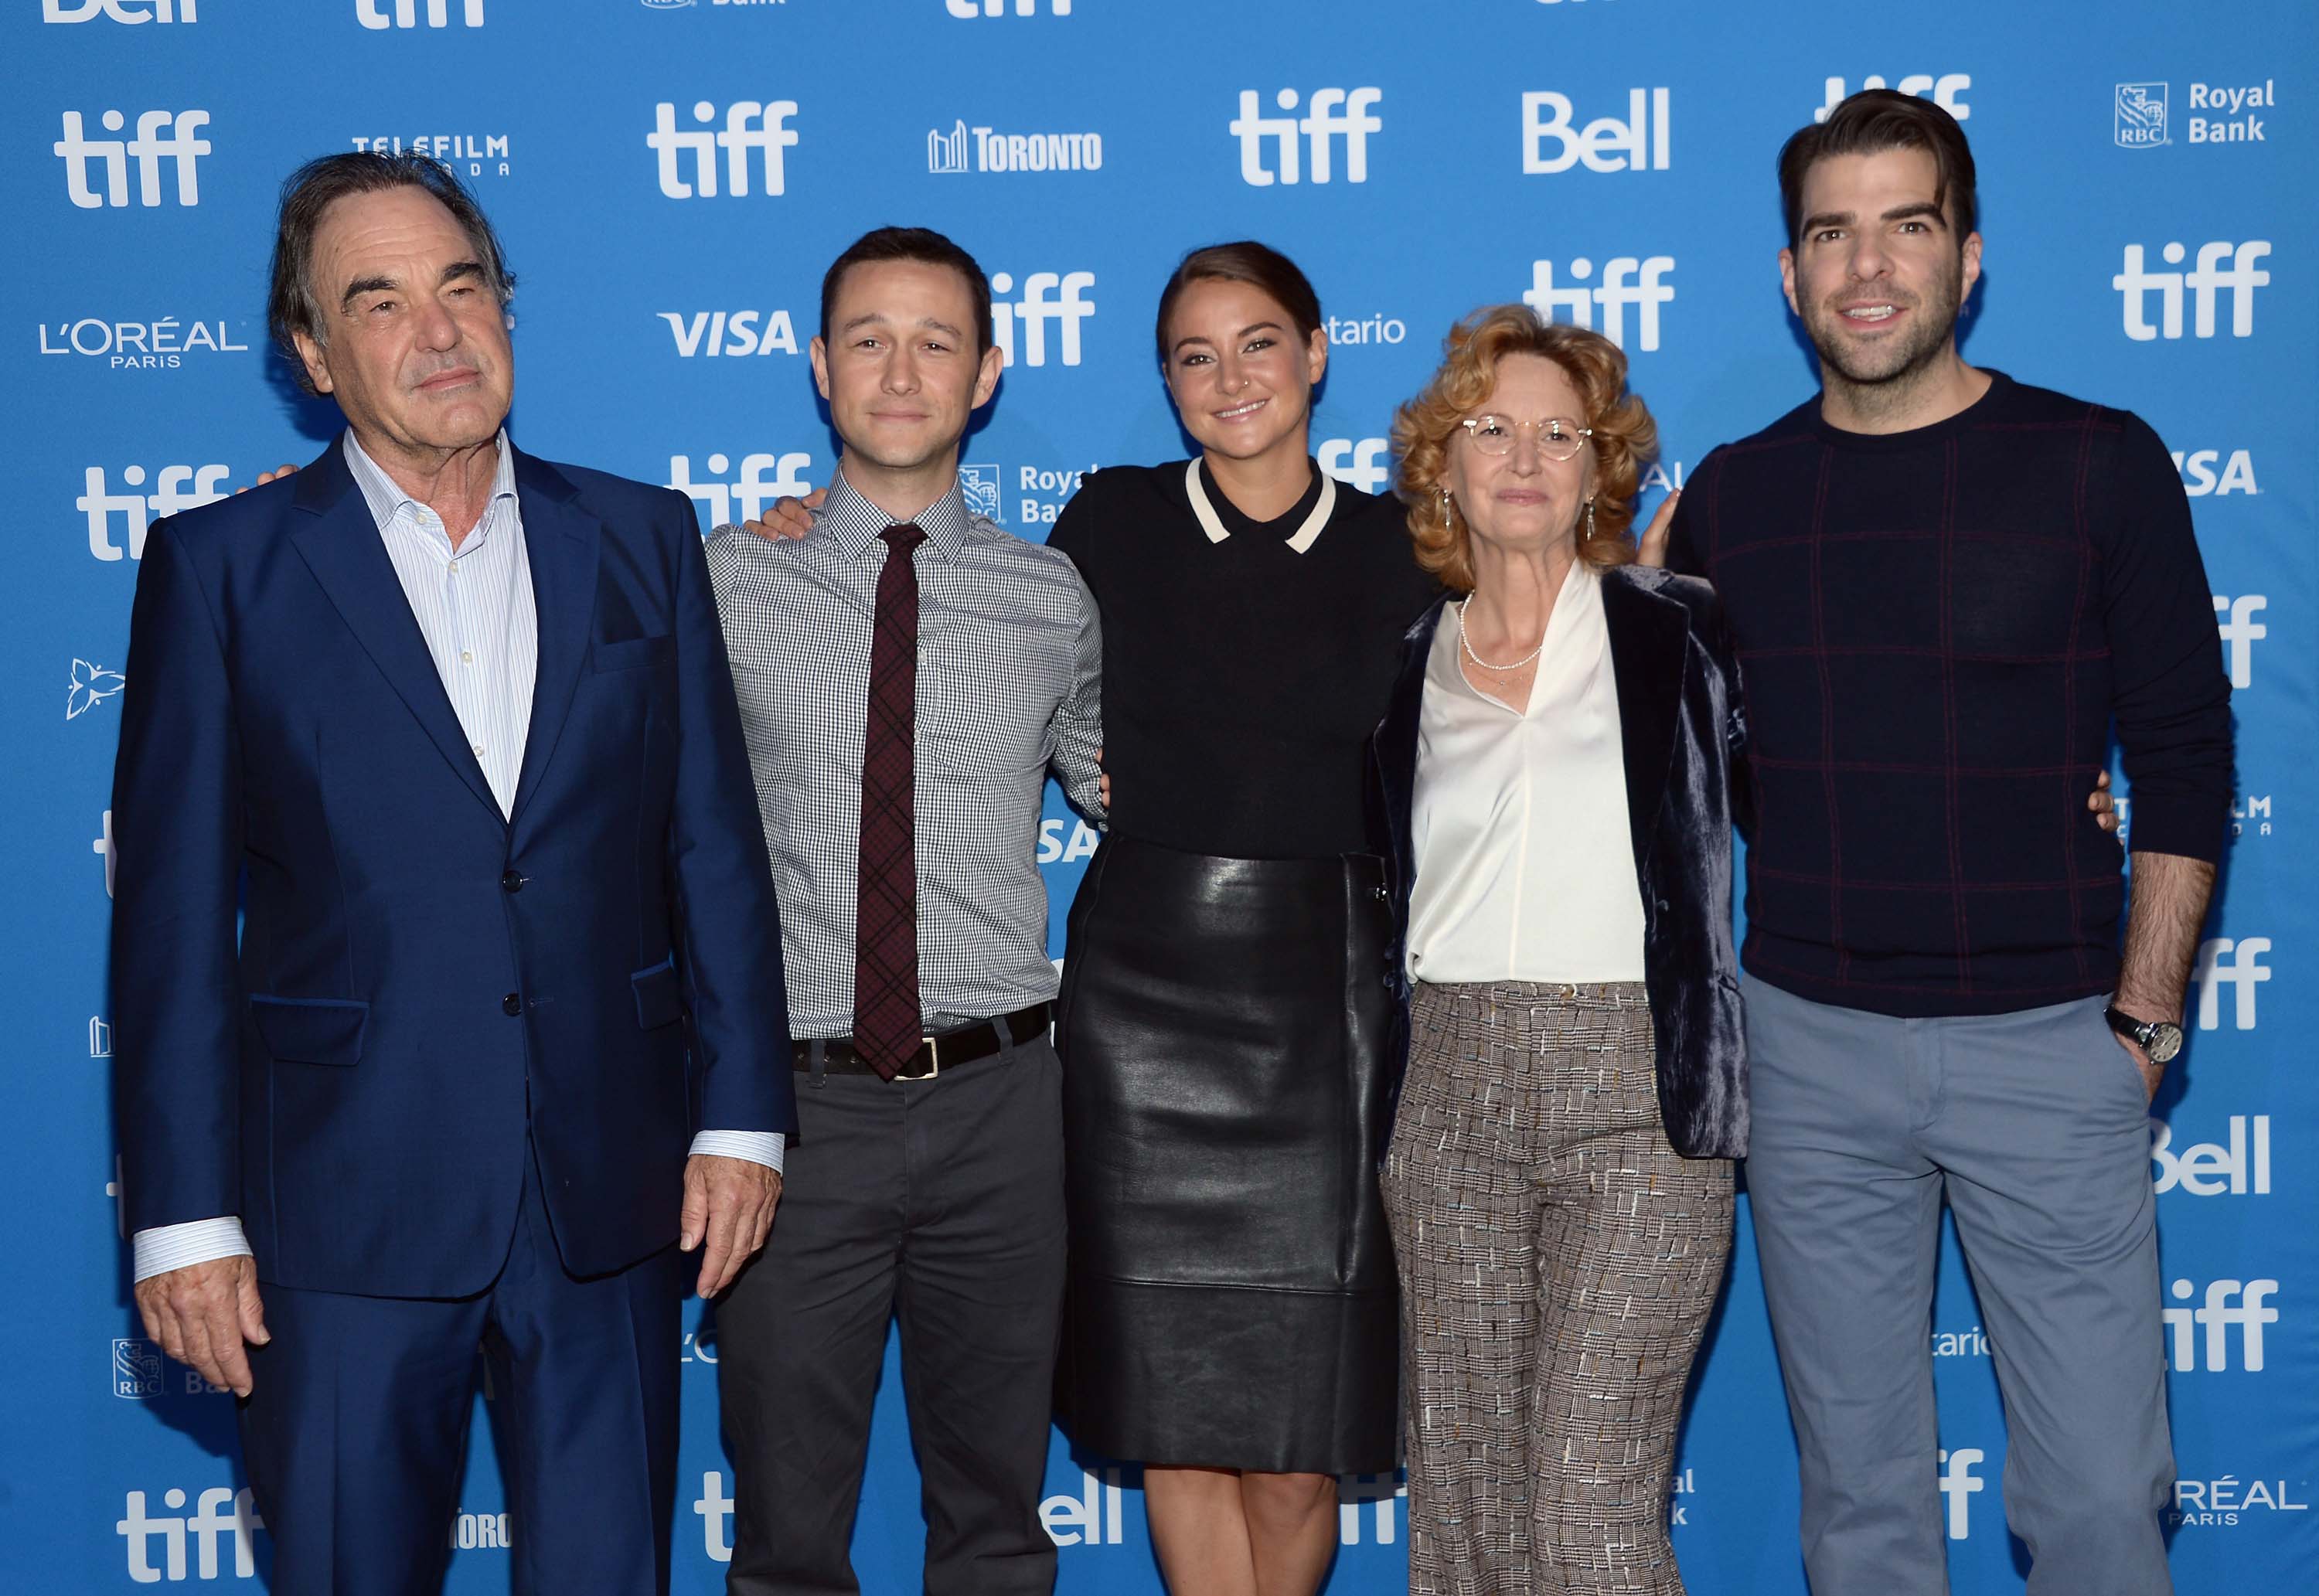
1558 436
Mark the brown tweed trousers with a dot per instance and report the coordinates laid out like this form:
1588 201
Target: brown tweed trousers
1558 1262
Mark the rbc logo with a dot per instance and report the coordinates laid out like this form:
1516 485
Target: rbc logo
1357 462
100 505
1034 310
980 486
2244 970
136 1368
1331 115
181 145
2210 277
2233 618
1617 291
210 1521
2141 119
1959 1484
120 11
373 14
751 494
2215 1315
1942 91
771 134
1605 144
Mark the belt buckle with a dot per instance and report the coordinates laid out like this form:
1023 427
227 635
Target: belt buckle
934 1062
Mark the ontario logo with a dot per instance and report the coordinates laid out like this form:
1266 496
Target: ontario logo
90 686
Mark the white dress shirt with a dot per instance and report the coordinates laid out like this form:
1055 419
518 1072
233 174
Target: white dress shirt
1524 867
475 608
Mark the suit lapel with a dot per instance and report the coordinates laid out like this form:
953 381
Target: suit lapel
341 545
561 541
1649 651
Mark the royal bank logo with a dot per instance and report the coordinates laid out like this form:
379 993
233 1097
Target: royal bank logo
136 1369
381 15
1628 281
1945 90
170 137
749 125
2139 116
120 11
984 489
983 149
90 686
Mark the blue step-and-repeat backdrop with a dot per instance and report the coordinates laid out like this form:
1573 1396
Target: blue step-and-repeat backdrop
670 177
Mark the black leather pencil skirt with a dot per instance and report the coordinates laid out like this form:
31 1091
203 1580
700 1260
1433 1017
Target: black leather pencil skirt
1224 1026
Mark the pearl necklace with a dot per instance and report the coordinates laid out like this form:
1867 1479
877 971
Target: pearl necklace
1483 664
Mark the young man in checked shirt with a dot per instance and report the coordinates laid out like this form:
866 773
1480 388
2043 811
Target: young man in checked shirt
1945 588
908 675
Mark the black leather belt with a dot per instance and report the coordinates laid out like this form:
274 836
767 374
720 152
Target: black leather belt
935 1053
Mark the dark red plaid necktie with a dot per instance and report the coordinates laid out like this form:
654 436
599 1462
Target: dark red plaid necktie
886 1025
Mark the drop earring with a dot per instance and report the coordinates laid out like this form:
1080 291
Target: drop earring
1590 521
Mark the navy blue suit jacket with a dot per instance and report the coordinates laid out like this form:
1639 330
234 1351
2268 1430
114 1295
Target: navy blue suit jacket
424 992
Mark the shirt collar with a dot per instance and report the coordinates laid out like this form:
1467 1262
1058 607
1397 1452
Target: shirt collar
387 500
856 522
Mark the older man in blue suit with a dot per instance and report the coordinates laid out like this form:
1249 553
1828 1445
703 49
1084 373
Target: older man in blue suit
454 730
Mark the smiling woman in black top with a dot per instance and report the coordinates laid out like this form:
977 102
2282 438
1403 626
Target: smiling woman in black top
1224 1022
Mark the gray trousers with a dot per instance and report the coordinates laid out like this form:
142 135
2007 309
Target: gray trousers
939 1201
2033 1125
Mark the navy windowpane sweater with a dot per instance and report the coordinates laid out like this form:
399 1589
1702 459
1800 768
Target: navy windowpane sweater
1938 631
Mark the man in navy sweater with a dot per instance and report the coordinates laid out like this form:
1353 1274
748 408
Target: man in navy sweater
1946 587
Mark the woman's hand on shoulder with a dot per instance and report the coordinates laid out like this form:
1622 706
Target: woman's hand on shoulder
792 519
1653 549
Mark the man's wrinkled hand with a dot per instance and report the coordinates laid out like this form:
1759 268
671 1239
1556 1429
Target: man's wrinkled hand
792 519
729 1212
1652 550
2104 806
201 1315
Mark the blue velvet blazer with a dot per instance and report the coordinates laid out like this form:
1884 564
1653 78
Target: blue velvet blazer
1684 738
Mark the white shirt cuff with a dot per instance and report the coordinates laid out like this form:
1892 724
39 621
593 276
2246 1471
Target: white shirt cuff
165 1248
759 1147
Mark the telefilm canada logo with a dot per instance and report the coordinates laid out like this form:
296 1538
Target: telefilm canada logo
472 154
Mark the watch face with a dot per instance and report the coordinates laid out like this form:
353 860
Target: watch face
2165 1041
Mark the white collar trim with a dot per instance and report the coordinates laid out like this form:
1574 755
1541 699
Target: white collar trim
1213 525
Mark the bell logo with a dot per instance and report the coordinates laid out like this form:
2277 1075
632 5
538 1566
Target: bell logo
1357 462
1331 115
2204 280
374 14
2242 971
1038 306
1942 91
748 125
1618 290
181 146
1638 144
2235 619
750 493
2216 1316
211 1521
178 487
1960 1486
2212 1169
120 11
1090 1519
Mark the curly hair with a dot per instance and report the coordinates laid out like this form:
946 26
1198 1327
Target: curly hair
1625 436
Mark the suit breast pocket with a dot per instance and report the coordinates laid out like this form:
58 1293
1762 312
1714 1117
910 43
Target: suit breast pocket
631 653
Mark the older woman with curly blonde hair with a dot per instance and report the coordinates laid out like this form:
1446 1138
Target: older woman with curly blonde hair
1556 773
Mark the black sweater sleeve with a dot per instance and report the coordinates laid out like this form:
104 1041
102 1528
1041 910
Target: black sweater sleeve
2170 697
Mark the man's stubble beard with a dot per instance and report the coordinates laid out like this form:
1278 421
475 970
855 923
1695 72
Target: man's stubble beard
1895 375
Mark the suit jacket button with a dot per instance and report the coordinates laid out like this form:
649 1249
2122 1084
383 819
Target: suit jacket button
511 1003
511 882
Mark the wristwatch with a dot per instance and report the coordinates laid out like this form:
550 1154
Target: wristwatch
2160 1039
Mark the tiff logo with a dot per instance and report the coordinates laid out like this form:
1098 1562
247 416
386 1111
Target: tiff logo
120 11
1333 113
2204 280
1959 1486
181 146
171 494
1357 462
2235 619
751 492
373 14
971 9
1942 91
1615 294
2217 1315
1038 306
2244 971
211 1521
1606 144
771 133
